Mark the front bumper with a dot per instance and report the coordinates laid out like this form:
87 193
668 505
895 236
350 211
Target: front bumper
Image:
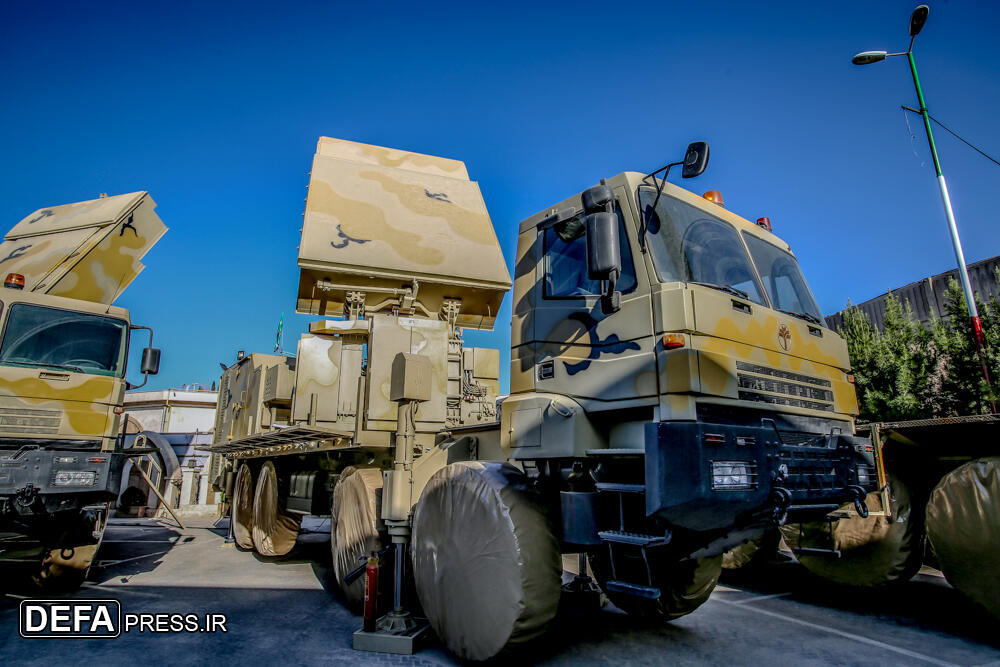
28 480
812 478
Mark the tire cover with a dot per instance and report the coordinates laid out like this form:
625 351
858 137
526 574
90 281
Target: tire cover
274 530
242 514
963 524
874 551
62 570
355 526
757 550
485 561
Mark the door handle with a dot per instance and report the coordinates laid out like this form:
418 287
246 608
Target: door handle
46 375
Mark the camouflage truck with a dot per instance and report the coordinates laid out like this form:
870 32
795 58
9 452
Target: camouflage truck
673 393
63 353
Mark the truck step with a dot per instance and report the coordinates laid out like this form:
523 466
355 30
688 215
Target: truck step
636 590
621 488
638 539
616 452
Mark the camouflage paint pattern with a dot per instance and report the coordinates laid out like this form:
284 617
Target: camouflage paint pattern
383 218
88 250
353 151
240 410
328 368
49 403
763 359
391 336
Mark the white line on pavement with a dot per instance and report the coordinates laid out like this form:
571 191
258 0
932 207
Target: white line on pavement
846 635
759 597
116 588
106 563
138 541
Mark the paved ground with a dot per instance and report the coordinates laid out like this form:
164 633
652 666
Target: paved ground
280 611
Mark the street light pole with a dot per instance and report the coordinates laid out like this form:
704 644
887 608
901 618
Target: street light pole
917 20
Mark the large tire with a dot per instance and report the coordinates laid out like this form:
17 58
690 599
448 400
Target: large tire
963 525
274 529
242 507
684 585
485 561
356 529
875 551
753 553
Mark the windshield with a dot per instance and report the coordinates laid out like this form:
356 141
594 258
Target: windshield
690 245
783 280
62 339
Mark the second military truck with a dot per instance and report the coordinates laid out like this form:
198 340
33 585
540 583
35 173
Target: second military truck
673 393
63 353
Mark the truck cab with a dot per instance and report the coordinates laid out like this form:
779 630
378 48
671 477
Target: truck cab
711 381
63 356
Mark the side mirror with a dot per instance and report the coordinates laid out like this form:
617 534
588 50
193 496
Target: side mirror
597 198
150 361
695 160
603 246
604 259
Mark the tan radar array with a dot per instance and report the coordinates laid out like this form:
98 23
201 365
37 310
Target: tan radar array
88 250
387 229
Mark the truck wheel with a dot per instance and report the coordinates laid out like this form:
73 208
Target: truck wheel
874 551
485 561
64 569
356 527
963 524
242 507
684 585
274 529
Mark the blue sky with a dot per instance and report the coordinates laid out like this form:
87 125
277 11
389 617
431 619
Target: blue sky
215 109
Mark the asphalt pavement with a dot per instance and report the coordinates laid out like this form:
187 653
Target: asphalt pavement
282 611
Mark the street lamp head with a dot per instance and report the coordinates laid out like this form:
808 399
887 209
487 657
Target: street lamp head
869 57
917 19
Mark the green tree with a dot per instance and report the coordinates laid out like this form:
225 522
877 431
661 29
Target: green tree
909 371
963 388
892 367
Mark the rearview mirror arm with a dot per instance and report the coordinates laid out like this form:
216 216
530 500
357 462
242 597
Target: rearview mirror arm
145 376
646 217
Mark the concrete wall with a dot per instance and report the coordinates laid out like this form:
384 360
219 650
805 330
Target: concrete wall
185 419
173 410
926 296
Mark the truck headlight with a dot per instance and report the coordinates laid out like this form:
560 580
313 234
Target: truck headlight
75 478
734 475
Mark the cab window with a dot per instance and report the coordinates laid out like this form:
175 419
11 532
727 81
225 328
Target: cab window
42 337
566 261
687 244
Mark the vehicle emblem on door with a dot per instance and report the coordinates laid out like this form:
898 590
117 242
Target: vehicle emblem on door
784 335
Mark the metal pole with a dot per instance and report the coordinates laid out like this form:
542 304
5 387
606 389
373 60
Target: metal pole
963 273
163 501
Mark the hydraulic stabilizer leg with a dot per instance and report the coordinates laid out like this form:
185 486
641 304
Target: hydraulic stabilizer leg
398 631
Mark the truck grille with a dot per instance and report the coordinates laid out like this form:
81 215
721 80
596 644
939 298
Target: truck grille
23 420
794 389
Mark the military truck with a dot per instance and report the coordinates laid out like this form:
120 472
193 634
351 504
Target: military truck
940 507
63 354
673 393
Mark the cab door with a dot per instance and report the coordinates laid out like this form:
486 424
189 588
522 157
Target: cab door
578 350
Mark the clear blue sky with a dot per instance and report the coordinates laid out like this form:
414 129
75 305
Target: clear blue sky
215 109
